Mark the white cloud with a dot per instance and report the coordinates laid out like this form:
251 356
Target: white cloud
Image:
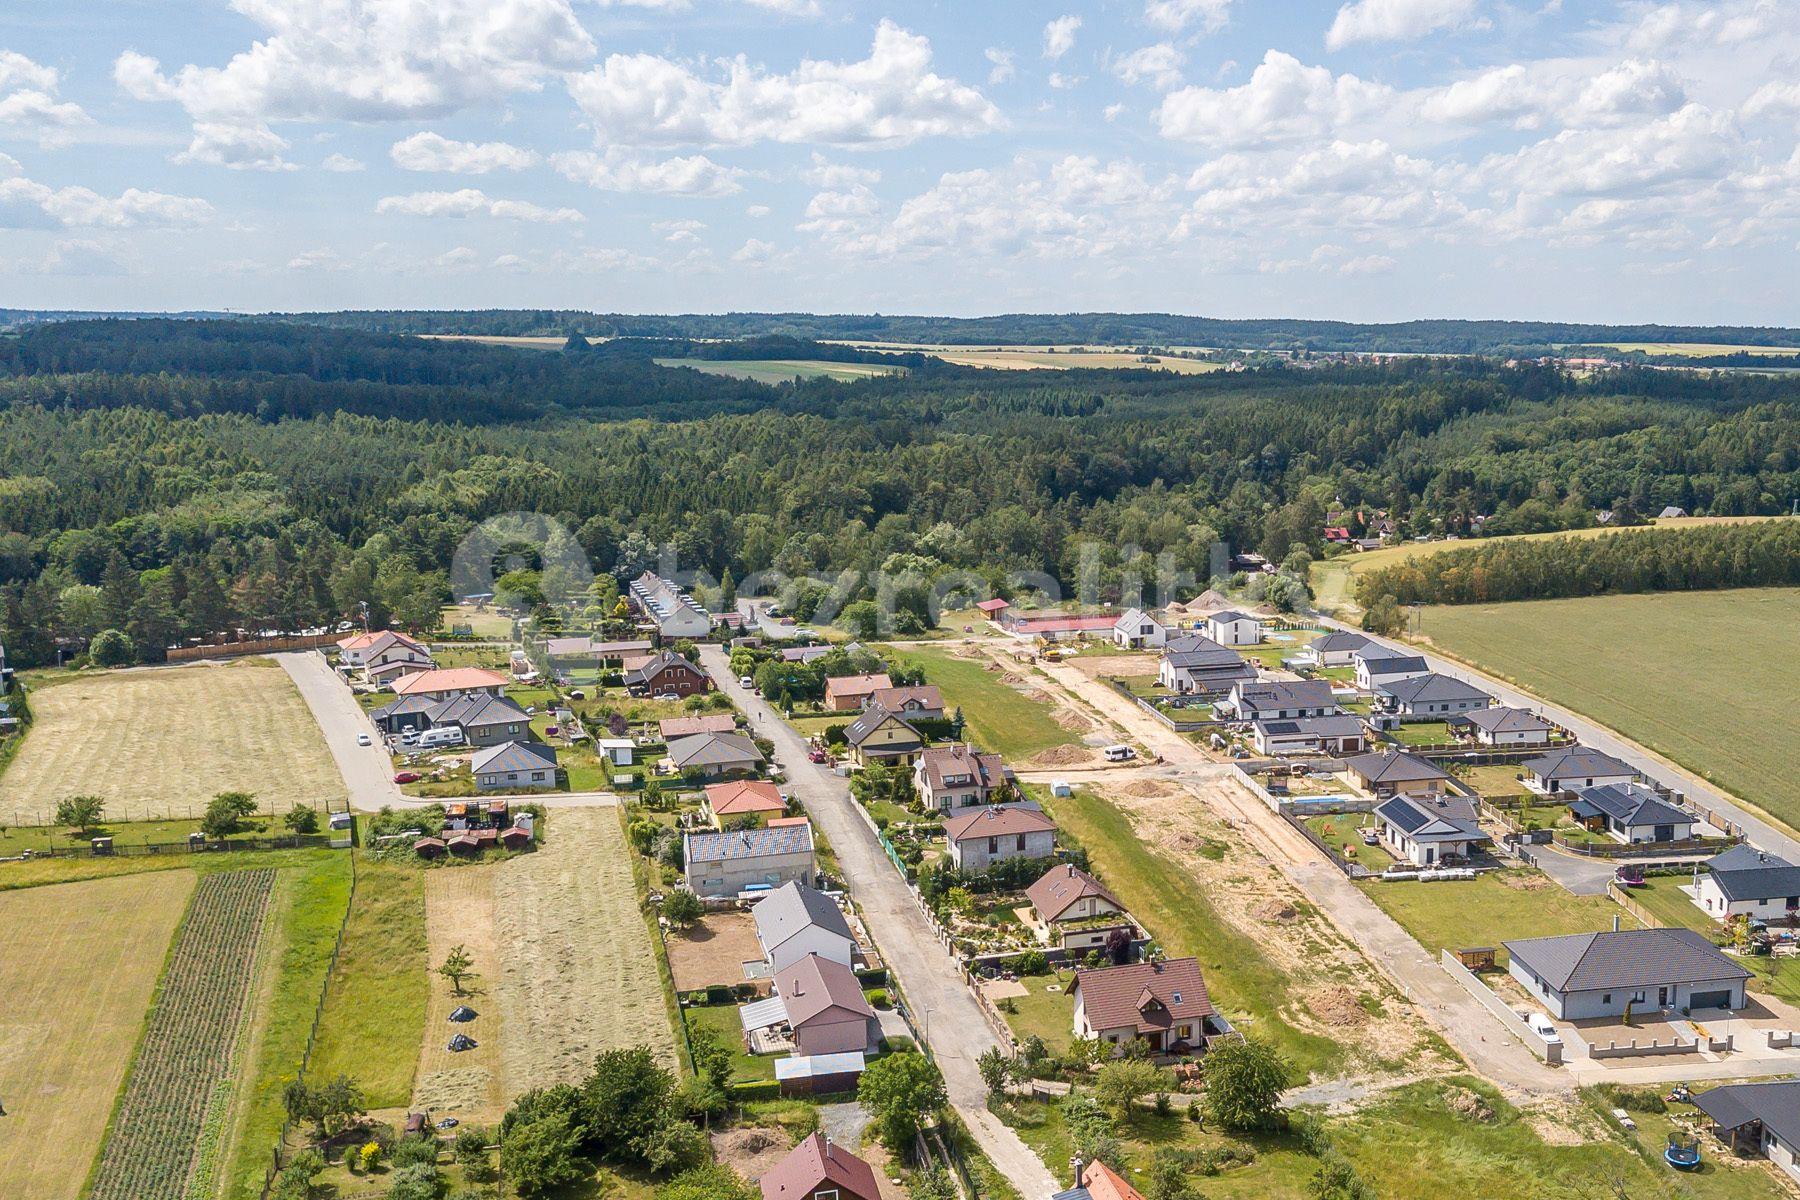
754 250
1635 88
1780 98
830 176
236 147
1004 68
1394 20
1284 100
18 71
890 98
341 163
682 232
1158 65
1063 82
428 151
1059 35
1207 16
758 211
28 103
369 60
616 171
1367 264
471 202
28 204
82 258
1501 93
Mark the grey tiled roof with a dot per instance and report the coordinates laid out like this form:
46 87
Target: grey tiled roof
1426 688
1746 873
513 756
793 907
747 843
1394 768
1626 958
1576 763
1776 1105
1423 820
1505 720
1631 804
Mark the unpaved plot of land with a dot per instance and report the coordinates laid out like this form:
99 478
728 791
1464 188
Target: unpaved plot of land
576 968
714 951
162 742
459 911
76 977
1343 996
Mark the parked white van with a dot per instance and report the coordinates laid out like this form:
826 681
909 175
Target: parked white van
449 735
1119 753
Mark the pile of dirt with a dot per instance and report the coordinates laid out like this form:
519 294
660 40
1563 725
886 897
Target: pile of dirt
1150 789
991 666
1523 881
1013 678
751 1151
1338 1006
1207 601
1061 756
1278 911
1037 695
1468 1104
1071 720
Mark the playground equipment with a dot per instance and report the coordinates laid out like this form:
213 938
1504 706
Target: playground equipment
1682 1152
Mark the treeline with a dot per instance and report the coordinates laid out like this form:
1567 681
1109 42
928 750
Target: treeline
1697 558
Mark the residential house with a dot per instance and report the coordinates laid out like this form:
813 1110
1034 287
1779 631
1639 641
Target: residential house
922 702
1233 628
1334 649
1196 665
1398 774
1502 726
1572 769
1430 832
849 693
818 1169
992 834
1277 699
485 720
878 736
1630 813
1671 512
952 777
794 921
826 1008
456 681
1745 882
391 655
1336 735
668 607
1097 1181
803 654
1759 1116
680 727
513 765
1164 1003
1073 911
359 650
743 798
715 754
406 713
1586 975
721 865
1138 630
1431 697
1377 665
664 674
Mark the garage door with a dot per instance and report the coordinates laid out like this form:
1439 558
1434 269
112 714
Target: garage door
1710 999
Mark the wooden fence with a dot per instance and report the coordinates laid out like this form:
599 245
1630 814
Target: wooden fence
180 654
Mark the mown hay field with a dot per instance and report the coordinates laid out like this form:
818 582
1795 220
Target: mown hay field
77 986
162 742
1703 678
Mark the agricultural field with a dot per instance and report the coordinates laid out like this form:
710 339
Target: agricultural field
1704 678
552 910
999 716
169 1117
1699 349
783 370
68 1030
1053 358
160 742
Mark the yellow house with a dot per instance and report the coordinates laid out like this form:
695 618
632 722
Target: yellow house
878 736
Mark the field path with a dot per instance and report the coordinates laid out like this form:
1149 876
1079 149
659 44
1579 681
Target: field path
76 988
576 973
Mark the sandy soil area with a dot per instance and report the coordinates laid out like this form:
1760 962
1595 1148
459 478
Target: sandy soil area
459 910
714 951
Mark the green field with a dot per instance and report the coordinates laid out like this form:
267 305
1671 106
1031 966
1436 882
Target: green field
1699 349
1485 911
782 370
1705 678
999 717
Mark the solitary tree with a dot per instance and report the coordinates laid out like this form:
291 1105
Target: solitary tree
226 812
996 1070
302 819
682 908
1122 1084
1244 1080
80 813
900 1091
457 965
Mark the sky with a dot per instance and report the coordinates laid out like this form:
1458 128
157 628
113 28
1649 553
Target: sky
1369 160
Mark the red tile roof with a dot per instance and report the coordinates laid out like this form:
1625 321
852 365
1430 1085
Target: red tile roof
1143 995
817 1162
1061 886
1104 1183
847 686
455 679
744 796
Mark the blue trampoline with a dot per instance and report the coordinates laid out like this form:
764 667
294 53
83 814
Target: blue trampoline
1682 1152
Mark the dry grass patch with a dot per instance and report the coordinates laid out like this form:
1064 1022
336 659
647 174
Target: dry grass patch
714 951
160 742
575 967
459 911
76 988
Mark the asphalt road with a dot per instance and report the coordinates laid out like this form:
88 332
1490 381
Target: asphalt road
368 772
930 977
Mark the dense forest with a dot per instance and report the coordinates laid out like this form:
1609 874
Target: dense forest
170 479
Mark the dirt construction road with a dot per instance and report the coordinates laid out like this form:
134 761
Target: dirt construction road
930 978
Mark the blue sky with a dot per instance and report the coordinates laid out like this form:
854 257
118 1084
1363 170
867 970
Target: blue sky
1365 160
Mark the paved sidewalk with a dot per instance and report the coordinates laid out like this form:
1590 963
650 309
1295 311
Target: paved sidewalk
932 981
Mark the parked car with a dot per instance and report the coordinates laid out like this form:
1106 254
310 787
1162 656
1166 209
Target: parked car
744 681
407 777
817 756
1544 1027
1119 753
363 739
668 696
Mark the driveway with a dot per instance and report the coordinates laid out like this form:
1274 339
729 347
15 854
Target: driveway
1578 875
931 979
367 770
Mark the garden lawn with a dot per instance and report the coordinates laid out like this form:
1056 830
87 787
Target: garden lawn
1489 909
1043 1013
1423 733
998 716
1619 659
723 1019
1342 832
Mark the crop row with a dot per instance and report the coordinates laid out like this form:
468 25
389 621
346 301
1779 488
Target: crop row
188 1042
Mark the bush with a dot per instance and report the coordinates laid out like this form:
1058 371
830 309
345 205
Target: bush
1244 1081
1631 1099
1032 962
758 1089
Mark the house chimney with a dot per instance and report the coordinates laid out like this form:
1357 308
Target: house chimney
1079 1181
1615 922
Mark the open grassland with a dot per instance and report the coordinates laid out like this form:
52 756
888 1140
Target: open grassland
161 742
576 969
77 977
165 1131
783 370
1334 579
1699 349
999 717
375 1002
1704 678
312 894
1485 911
